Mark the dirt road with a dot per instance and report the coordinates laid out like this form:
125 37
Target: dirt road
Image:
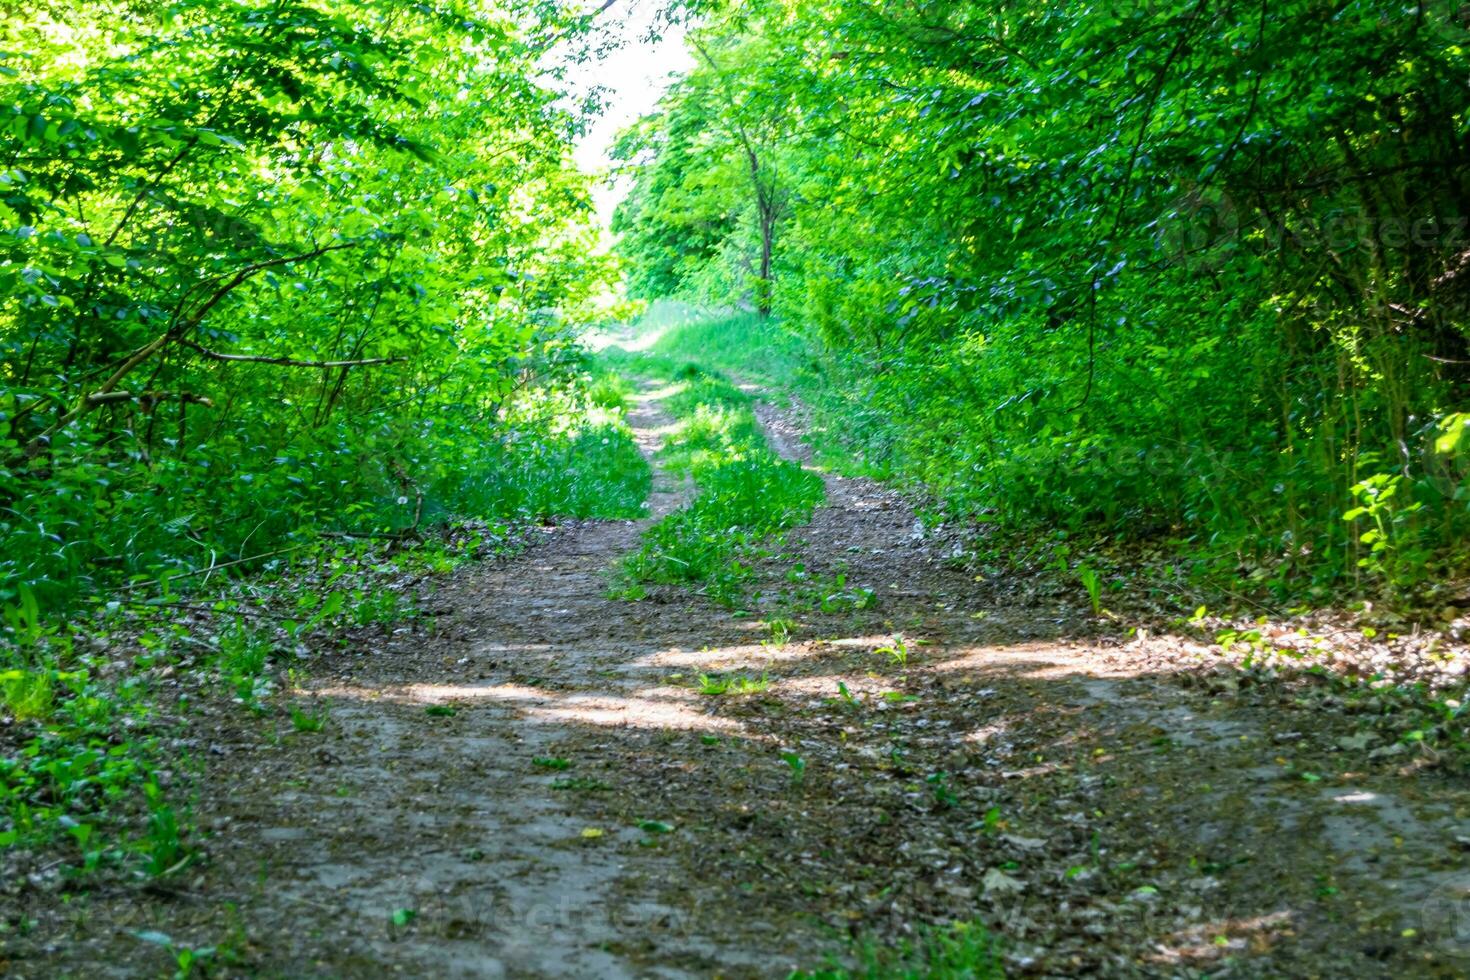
534 786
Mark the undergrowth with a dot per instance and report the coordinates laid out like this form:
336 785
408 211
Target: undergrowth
556 449
96 707
1218 522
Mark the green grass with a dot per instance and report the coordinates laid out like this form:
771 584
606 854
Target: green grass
746 493
27 695
963 951
81 767
845 436
715 685
593 472
308 721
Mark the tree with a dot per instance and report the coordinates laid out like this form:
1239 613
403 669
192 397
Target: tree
1161 265
256 256
710 212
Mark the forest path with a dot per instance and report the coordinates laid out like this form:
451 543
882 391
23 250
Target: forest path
1110 808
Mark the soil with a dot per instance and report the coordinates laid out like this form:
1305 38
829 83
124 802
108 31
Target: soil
535 787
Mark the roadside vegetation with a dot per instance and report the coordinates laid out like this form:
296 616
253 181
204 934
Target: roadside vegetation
106 709
1157 275
288 304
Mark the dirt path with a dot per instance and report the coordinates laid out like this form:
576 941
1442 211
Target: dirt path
1111 808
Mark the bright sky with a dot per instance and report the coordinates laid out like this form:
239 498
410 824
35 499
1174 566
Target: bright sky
636 75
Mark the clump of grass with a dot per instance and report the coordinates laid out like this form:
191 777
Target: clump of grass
962 951
897 651
164 846
243 653
747 494
609 390
306 721
780 630
27 695
716 685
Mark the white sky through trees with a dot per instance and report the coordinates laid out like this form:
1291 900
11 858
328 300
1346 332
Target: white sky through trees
634 76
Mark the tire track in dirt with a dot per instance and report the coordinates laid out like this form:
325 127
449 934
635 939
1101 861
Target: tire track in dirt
418 834
455 816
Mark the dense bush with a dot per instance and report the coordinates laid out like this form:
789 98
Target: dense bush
268 269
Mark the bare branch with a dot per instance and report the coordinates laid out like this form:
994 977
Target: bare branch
147 398
285 361
173 334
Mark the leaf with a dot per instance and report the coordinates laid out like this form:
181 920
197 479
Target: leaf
655 827
1024 843
402 917
997 882
592 833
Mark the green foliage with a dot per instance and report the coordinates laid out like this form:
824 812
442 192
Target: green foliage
164 846
1093 584
309 721
715 685
190 961
835 595
1391 534
273 269
897 651
27 695
80 753
797 766
1155 271
243 655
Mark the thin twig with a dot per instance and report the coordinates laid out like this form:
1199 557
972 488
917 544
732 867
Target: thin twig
285 361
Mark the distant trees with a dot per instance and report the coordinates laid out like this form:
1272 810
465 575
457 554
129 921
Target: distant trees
717 182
